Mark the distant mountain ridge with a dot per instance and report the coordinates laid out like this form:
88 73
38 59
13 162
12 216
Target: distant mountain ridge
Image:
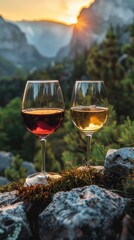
93 23
27 43
15 48
48 37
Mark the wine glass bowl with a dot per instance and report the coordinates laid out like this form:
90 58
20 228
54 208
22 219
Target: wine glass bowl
89 108
42 114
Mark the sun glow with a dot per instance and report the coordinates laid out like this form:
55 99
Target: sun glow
82 24
75 20
71 20
64 11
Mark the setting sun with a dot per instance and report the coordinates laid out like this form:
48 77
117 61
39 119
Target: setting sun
65 11
71 20
74 20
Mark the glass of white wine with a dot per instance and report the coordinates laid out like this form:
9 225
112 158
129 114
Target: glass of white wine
89 109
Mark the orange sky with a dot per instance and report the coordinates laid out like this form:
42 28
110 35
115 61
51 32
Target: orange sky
65 11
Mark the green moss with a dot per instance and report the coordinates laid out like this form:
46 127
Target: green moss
76 177
12 186
70 179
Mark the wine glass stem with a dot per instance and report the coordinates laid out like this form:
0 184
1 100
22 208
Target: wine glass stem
43 148
89 139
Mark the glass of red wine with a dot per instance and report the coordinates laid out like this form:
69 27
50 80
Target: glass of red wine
42 114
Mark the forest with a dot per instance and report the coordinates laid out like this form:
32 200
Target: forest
111 61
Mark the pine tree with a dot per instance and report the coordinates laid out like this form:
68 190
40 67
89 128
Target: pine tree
129 51
102 61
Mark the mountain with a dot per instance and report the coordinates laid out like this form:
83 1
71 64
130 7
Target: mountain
48 37
93 23
15 48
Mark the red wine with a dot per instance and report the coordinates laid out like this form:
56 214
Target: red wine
42 122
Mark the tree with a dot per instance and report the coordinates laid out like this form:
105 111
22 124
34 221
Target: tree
13 135
10 89
128 49
79 66
16 171
11 125
102 61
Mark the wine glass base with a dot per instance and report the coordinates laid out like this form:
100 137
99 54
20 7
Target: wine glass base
41 178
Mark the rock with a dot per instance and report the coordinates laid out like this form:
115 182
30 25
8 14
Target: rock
127 228
13 223
4 181
83 213
29 167
119 162
6 159
111 151
8 198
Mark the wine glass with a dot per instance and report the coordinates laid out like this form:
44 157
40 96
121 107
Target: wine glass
42 114
89 109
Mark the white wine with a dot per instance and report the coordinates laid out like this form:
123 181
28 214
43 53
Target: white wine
89 119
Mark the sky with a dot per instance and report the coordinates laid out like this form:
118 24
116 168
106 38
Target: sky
65 11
